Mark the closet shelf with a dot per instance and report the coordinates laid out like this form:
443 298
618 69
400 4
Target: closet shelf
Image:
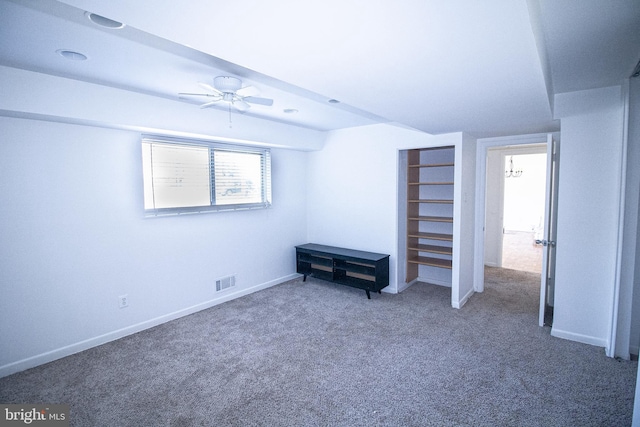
433 236
431 183
442 201
433 262
431 218
432 165
443 250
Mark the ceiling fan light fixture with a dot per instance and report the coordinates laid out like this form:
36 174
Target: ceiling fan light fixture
227 84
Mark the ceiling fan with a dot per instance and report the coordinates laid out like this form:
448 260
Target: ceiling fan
229 89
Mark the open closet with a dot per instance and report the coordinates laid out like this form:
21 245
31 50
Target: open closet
430 178
436 204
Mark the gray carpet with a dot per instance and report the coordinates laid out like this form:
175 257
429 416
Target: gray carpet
319 354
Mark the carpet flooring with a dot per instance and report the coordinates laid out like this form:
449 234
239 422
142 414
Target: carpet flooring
320 354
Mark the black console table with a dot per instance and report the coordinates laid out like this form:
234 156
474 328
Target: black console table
359 269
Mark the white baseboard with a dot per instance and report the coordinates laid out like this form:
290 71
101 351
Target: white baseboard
585 339
404 285
59 353
434 282
464 299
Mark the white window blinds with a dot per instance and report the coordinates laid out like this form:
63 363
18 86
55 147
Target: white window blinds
186 177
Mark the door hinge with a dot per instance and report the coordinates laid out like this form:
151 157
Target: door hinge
546 243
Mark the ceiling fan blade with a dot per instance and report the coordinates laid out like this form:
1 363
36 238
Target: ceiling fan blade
210 95
257 100
247 91
240 104
209 104
209 87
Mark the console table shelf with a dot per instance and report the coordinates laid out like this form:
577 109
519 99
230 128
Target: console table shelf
358 269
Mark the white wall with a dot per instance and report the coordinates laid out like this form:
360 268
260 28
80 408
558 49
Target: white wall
353 189
464 222
588 213
74 236
525 196
631 249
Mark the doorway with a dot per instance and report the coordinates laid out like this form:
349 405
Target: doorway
495 219
523 210
515 206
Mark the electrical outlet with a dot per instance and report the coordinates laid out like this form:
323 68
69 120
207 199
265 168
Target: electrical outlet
123 301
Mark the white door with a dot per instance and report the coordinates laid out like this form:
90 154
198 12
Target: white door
548 239
494 200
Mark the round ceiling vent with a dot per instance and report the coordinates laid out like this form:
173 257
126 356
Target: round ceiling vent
71 55
104 22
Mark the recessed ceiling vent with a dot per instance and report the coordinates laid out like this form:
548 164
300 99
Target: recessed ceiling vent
71 54
104 22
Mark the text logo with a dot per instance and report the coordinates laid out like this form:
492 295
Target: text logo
34 415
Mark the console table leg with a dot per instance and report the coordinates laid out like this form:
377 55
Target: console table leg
304 278
368 294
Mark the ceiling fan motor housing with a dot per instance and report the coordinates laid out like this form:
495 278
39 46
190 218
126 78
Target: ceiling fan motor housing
227 84
229 89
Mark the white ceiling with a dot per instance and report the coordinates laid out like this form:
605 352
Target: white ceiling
591 43
486 68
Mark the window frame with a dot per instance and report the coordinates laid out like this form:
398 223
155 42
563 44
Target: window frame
212 146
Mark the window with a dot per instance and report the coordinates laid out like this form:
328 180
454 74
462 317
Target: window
188 177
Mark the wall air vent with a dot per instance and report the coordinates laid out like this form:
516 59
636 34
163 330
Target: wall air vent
225 283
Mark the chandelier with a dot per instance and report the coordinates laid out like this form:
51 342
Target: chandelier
512 173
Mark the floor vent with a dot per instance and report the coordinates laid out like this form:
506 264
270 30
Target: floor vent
225 282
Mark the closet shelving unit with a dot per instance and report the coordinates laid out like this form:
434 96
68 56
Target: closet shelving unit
430 201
